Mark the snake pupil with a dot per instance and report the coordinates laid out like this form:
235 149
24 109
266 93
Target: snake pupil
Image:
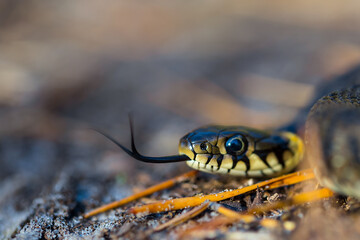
234 145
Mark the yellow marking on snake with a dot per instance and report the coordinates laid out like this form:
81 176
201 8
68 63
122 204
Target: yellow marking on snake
256 163
227 162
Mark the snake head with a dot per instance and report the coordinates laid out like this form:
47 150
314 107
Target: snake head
241 151
236 150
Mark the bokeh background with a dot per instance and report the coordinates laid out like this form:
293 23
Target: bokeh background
69 66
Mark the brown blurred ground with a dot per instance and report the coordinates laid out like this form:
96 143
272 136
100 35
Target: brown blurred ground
67 66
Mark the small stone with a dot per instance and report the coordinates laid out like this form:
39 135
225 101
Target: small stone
289 226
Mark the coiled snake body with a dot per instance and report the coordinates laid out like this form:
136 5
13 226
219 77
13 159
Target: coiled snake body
333 140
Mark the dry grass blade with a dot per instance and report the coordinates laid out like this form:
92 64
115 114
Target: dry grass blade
291 179
248 217
215 223
180 203
244 217
298 199
183 217
148 191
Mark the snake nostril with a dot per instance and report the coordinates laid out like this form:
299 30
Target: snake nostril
203 146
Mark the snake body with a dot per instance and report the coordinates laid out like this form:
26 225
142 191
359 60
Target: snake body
332 142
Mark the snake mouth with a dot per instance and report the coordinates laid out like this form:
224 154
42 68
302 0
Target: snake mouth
135 154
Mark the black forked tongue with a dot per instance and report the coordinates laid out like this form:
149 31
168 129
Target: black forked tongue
135 154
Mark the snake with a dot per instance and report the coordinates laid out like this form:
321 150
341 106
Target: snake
332 142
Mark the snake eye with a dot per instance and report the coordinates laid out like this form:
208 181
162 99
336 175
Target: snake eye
235 145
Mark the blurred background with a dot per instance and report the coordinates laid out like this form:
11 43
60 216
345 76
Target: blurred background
69 66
